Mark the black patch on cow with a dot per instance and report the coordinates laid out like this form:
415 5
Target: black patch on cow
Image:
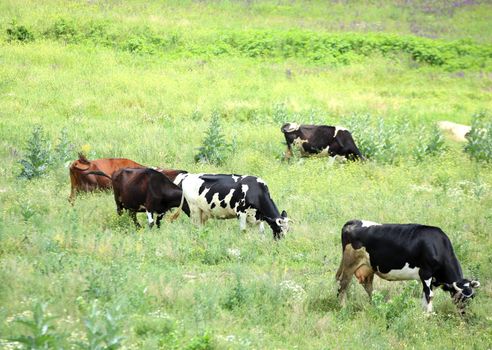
212 205
223 203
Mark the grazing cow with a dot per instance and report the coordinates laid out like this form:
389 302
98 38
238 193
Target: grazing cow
320 139
457 131
398 252
82 180
146 190
232 196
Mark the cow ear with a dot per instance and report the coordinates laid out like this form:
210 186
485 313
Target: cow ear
284 214
475 284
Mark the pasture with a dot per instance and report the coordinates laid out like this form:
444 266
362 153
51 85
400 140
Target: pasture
142 81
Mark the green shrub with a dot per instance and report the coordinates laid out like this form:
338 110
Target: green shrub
103 329
64 30
375 140
395 307
64 150
214 149
38 155
428 145
201 342
42 332
20 33
237 296
313 47
479 146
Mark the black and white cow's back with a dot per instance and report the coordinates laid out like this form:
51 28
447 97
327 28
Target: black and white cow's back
226 196
401 252
320 139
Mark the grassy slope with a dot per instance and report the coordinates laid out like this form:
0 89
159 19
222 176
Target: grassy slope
73 255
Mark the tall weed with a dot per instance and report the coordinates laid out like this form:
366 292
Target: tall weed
38 155
214 149
479 146
42 332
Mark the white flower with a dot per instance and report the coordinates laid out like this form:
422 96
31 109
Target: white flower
234 253
296 291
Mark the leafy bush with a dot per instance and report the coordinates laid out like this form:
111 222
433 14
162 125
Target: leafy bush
479 146
395 307
64 149
314 47
20 33
64 30
103 329
42 334
377 140
237 296
38 155
202 342
214 149
428 145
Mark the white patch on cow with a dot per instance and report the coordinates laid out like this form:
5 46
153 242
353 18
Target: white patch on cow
405 273
260 181
244 188
298 143
337 129
180 178
235 178
149 217
324 151
292 127
366 223
425 305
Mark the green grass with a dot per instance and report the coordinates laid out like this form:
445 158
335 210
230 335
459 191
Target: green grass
185 287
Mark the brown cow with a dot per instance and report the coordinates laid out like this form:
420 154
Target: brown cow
146 190
81 181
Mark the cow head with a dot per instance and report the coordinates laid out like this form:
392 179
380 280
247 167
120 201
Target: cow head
462 291
279 225
290 127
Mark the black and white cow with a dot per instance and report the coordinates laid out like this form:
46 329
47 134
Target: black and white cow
226 196
320 139
397 252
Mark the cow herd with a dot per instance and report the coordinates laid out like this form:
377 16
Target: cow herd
390 251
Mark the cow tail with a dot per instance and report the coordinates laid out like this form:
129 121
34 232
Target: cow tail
176 214
100 173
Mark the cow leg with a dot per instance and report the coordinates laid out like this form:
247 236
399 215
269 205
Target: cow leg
368 285
261 226
203 217
242 221
195 216
119 208
342 289
159 218
71 198
288 153
348 266
133 215
150 219
427 294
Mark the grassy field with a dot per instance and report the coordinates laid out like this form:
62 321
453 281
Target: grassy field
130 91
